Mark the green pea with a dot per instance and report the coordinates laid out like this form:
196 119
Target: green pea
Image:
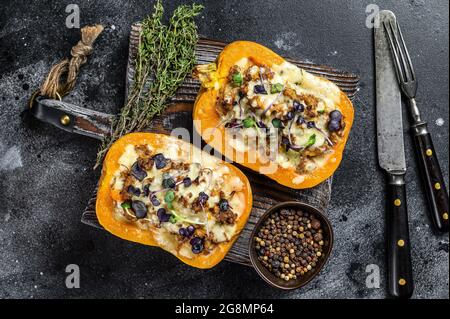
173 219
249 122
276 88
237 79
169 196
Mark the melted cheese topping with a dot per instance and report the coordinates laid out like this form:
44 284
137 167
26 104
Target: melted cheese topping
304 140
209 175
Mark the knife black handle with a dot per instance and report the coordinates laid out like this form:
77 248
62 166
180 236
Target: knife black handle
400 276
432 178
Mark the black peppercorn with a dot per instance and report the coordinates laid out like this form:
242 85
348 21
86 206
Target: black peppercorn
289 243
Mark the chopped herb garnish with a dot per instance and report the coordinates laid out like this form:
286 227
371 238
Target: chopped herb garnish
169 196
276 88
126 205
249 122
175 217
276 123
311 141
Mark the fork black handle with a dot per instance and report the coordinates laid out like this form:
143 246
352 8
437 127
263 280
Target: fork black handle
400 277
432 177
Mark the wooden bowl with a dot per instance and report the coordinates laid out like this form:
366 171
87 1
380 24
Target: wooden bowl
306 278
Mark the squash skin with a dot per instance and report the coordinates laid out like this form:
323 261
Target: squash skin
206 118
131 232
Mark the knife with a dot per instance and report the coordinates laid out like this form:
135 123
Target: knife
391 157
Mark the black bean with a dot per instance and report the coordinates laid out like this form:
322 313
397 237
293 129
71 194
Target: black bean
335 115
134 190
259 89
138 172
334 126
146 190
160 161
162 215
155 201
187 182
139 209
202 198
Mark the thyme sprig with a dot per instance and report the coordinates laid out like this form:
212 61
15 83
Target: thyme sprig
166 54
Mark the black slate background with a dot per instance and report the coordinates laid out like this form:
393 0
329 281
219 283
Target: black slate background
46 175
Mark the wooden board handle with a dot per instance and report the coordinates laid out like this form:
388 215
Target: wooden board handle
72 118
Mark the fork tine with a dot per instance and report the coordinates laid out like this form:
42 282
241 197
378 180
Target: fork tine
408 57
398 69
402 55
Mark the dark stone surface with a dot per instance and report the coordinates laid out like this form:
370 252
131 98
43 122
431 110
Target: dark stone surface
46 175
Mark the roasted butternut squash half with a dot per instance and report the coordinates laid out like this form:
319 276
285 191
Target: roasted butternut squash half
158 190
267 114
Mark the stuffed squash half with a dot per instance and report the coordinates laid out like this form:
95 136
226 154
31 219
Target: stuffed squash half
271 116
161 191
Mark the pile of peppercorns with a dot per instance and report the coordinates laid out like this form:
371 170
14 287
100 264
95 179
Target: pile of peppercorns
290 243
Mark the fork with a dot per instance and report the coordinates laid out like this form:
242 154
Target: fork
428 162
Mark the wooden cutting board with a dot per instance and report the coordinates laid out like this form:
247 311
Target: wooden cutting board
266 192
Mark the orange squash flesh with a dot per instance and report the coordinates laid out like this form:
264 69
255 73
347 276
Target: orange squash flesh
207 120
129 231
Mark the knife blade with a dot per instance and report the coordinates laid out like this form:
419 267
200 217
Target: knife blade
391 158
391 150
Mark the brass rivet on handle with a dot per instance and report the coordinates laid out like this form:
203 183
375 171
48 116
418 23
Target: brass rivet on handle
402 282
445 216
397 202
437 186
401 243
65 120
429 152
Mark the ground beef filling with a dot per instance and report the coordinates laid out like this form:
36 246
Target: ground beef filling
174 197
256 99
